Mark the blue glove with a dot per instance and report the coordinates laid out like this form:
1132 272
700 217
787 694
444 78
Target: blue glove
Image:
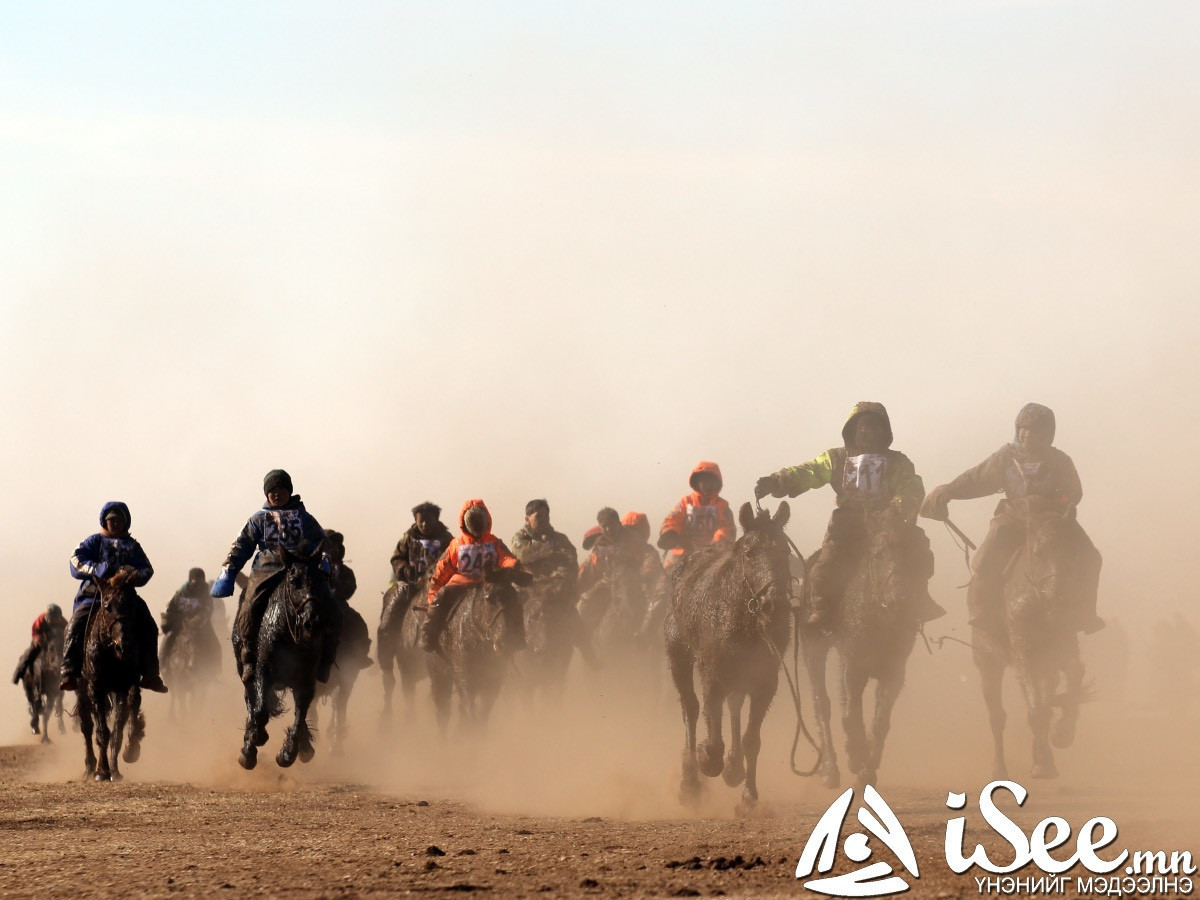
326 568
223 586
101 571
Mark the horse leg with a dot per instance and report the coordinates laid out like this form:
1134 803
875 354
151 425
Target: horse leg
84 711
389 684
887 691
120 715
854 685
34 708
103 734
338 720
58 713
1038 688
991 672
760 700
1062 731
255 705
711 751
735 770
816 655
298 741
683 674
441 687
137 727
46 707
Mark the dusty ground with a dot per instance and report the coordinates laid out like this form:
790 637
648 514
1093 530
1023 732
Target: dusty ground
581 801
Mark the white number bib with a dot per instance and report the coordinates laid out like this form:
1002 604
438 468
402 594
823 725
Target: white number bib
474 558
701 520
866 475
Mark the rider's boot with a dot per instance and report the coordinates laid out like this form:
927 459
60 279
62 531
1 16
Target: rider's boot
435 622
151 678
925 608
73 649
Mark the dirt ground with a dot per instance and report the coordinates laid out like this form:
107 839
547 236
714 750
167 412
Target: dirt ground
576 800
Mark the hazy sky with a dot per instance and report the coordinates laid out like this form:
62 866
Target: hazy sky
567 250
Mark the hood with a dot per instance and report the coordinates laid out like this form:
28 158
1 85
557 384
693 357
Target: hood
591 536
119 507
1036 417
463 512
861 408
638 523
702 468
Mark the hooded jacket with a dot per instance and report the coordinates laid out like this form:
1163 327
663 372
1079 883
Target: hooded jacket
1017 473
545 556
468 558
273 530
416 553
860 480
701 519
43 627
100 555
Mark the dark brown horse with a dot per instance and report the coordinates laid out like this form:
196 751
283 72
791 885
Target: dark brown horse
398 643
1041 647
287 654
352 650
873 636
548 641
190 654
729 614
40 681
109 697
483 630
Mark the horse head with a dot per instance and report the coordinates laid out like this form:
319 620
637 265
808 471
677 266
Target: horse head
762 552
116 605
502 622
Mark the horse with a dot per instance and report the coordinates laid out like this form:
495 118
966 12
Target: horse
398 642
873 635
548 640
615 608
1042 649
110 683
287 654
353 647
190 654
484 627
729 616
40 681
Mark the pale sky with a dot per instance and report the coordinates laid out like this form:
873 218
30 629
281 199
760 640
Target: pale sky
442 251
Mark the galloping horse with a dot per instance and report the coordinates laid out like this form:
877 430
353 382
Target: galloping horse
40 681
729 615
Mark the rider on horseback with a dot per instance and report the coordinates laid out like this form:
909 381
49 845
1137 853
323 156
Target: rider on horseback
1029 466
192 599
867 476
282 527
355 634
468 558
46 627
548 553
416 553
699 518
637 524
97 559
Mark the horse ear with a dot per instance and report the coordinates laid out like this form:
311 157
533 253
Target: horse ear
782 514
746 517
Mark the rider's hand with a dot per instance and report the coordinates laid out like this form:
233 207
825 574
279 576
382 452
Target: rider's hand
765 486
669 540
937 504
103 570
223 586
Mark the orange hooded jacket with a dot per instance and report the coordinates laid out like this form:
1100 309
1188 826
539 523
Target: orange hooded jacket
652 567
467 558
700 519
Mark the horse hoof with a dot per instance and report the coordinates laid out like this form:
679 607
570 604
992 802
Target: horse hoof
689 794
101 777
746 808
863 779
734 772
116 776
710 763
260 737
33 729
132 753
45 739
248 758
285 759
307 752
1044 770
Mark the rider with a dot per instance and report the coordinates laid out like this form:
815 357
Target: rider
867 476
355 633
465 562
548 553
416 553
98 559
47 626
282 526
653 574
699 518
1029 466
191 599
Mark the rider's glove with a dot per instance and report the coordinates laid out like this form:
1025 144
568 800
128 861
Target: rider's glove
103 570
937 504
669 540
326 567
223 586
765 486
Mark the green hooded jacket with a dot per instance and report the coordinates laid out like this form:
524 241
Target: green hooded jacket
859 480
